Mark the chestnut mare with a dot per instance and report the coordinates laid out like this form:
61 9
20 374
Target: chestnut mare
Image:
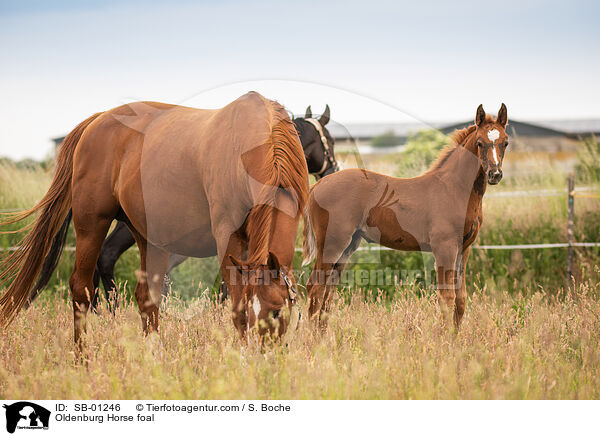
187 181
318 146
439 211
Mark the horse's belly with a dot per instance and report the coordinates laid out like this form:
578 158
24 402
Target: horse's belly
391 228
398 238
182 230
198 243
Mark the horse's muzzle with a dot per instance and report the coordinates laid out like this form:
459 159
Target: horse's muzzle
494 176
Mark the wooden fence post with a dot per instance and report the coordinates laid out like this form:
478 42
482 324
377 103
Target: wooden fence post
570 229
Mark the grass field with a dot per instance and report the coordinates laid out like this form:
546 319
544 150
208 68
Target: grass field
523 337
523 347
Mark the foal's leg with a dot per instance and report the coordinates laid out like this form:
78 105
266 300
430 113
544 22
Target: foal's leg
461 295
317 288
90 232
330 288
333 280
335 245
326 276
153 265
445 264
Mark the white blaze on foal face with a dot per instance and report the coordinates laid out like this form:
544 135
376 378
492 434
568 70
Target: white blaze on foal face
493 135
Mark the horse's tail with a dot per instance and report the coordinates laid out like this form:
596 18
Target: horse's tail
41 247
309 244
286 170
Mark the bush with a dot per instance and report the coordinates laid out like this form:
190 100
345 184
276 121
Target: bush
386 139
421 150
588 154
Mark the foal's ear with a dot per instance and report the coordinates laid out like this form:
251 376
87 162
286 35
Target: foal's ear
273 262
502 116
308 113
480 116
325 117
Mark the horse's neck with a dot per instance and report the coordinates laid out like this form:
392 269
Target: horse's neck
299 129
463 173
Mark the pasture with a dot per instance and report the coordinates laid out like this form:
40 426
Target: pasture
524 336
514 347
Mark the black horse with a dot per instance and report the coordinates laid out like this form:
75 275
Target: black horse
317 143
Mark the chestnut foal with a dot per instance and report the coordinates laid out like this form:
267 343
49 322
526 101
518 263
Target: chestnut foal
439 211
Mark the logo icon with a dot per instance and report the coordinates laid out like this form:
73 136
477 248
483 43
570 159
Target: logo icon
26 415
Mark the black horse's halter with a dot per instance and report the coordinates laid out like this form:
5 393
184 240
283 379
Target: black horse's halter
293 294
328 158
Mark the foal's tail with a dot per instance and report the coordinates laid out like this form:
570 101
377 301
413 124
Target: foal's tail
42 246
309 245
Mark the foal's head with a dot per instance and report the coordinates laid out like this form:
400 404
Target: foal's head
491 141
317 142
269 295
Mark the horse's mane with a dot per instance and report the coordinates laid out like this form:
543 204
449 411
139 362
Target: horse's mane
285 168
457 138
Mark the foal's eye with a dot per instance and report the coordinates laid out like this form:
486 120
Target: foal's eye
479 144
276 313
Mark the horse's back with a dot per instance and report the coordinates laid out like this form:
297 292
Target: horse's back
174 169
351 187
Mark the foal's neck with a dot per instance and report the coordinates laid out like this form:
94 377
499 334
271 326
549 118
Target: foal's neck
463 170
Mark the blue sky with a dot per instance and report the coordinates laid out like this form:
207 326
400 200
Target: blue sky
372 61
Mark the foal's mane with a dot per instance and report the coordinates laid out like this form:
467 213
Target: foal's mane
457 139
285 167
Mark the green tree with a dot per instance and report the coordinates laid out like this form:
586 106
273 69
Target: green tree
421 150
386 139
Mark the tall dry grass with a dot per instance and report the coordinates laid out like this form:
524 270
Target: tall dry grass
510 347
21 188
517 340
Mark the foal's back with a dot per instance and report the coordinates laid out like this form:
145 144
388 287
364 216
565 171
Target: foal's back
358 203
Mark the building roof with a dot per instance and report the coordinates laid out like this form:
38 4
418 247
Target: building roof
366 131
573 127
515 128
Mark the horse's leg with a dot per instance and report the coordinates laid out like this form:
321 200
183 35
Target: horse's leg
90 232
330 288
461 295
322 284
445 254
336 274
236 245
174 261
223 292
96 282
316 287
335 244
119 241
153 265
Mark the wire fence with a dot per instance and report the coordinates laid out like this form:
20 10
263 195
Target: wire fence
571 194
582 192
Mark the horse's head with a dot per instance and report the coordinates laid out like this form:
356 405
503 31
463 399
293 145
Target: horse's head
491 141
269 296
317 142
